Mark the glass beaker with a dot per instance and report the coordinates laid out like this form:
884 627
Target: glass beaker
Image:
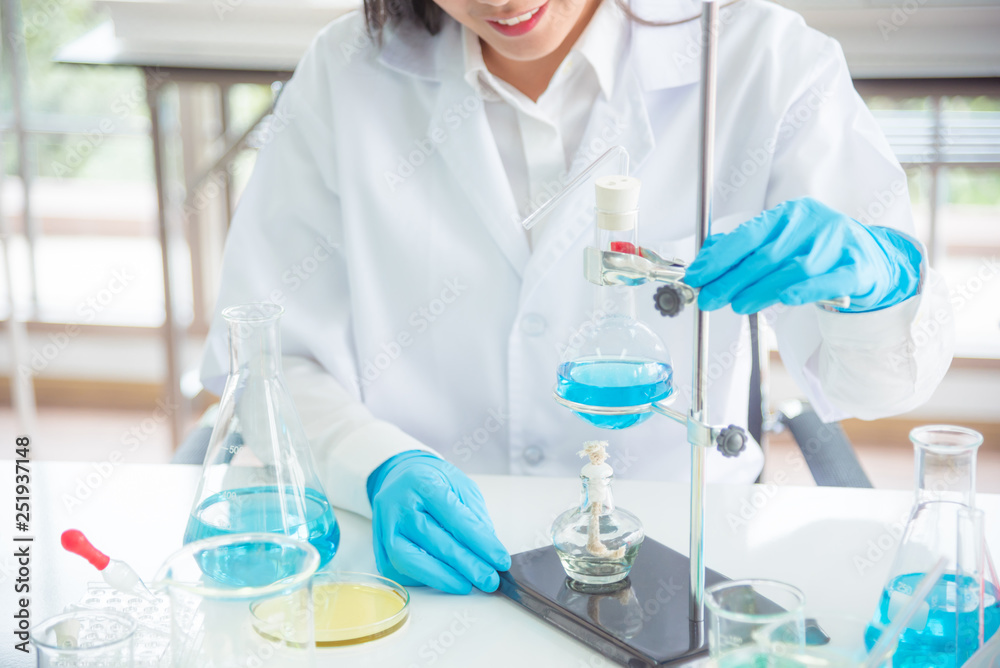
259 473
214 584
740 610
946 626
85 639
617 361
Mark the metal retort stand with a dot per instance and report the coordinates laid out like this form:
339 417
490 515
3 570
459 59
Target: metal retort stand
616 622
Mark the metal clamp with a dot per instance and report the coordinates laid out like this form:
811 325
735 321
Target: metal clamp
613 268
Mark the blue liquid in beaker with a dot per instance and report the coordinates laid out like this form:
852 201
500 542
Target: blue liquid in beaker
259 509
614 382
945 641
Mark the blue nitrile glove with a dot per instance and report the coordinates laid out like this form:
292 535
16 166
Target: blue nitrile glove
430 526
800 252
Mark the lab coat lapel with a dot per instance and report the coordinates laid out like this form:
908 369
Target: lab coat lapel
621 121
474 161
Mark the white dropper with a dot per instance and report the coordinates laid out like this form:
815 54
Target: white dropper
116 573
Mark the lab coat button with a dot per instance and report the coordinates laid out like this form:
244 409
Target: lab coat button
533 455
533 324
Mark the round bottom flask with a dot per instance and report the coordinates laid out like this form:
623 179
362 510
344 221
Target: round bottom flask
620 363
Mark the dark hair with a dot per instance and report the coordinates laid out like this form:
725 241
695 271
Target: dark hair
379 13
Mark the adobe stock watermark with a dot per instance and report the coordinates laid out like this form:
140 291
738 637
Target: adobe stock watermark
40 357
898 17
763 494
880 546
691 53
882 201
929 328
585 156
436 647
425 147
215 182
759 158
37 22
130 441
419 321
469 444
85 144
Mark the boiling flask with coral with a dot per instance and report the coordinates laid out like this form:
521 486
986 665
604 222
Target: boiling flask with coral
620 362
259 474
597 542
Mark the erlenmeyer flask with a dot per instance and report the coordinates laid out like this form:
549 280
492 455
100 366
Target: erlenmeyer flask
259 474
948 621
619 361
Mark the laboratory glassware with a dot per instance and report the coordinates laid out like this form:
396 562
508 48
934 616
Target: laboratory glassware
740 610
617 361
831 641
979 601
352 608
259 473
942 631
152 634
85 639
115 572
988 656
214 583
597 542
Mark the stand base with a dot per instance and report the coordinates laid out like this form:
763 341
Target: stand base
641 621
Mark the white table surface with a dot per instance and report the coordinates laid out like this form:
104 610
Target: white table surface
824 540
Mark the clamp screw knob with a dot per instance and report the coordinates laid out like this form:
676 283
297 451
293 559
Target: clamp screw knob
668 300
732 441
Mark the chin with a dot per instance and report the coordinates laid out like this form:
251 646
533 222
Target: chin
535 49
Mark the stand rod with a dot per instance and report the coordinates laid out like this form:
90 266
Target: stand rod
698 436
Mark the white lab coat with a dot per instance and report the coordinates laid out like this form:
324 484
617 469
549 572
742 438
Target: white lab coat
380 218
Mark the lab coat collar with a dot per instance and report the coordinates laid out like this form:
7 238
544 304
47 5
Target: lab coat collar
409 49
622 120
663 57
600 46
471 154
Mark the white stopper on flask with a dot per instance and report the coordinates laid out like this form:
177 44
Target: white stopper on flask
617 202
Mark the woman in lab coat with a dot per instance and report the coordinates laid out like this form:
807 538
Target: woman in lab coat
424 326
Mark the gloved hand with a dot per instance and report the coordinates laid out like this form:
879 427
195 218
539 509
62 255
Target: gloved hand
800 252
430 526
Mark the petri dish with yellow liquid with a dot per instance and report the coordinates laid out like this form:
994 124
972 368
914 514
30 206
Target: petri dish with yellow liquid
348 608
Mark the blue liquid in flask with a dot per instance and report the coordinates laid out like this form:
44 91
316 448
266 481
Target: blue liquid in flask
944 641
259 509
614 382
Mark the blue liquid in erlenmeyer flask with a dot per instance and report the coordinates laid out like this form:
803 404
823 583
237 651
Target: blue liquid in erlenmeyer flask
941 638
259 509
614 382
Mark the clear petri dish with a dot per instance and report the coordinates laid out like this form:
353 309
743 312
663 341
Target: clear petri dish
349 608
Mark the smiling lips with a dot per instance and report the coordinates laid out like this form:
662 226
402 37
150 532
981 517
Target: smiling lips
519 25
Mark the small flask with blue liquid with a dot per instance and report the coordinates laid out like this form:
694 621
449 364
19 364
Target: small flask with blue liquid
259 474
619 361
961 612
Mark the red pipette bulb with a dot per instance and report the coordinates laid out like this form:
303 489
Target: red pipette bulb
77 543
116 573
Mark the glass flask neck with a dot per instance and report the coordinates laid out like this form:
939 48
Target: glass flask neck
597 490
254 342
945 473
616 300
